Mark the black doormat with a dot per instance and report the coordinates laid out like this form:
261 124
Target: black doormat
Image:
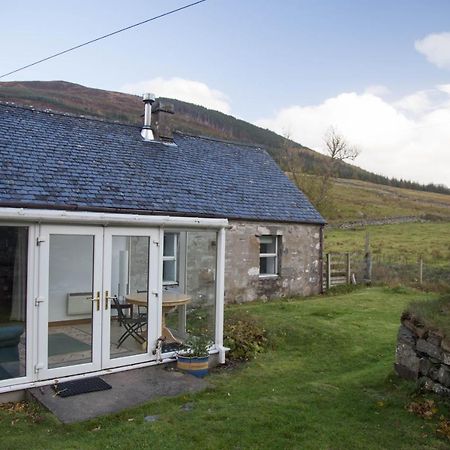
83 386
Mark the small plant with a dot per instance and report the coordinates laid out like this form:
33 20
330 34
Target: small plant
245 336
197 346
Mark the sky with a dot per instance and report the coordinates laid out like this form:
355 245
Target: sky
376 71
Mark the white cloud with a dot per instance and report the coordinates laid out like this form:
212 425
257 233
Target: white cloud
181 89
436 48
407 139
377 89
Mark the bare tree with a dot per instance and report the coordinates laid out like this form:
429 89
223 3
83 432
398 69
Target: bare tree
338 150
318 188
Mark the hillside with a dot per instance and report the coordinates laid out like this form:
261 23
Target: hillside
356 200
68 97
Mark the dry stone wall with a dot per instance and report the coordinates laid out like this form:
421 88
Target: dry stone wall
423 354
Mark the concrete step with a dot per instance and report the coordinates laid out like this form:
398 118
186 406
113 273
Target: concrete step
129 388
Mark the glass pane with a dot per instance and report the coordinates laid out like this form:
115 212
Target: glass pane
169 244
71 276
189 308
129 289
267 265
13 294
169 271
267 244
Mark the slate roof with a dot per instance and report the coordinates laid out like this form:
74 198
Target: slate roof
51 160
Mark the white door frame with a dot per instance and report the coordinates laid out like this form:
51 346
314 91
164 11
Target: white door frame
154 295
42 299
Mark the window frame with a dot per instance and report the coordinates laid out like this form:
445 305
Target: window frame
174 257
274 255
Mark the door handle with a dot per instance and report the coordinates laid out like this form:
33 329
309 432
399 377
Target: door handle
95 299
107 298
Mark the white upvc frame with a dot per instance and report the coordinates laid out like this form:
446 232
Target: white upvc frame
107 219
274 255
154 295
173 258
43 300
33 218
30 326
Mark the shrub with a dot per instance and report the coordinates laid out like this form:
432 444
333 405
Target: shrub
245 336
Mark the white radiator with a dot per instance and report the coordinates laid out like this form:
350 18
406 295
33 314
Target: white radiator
78 303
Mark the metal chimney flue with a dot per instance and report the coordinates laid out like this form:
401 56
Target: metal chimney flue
147 132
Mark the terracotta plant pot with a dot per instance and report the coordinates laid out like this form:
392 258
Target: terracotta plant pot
195 365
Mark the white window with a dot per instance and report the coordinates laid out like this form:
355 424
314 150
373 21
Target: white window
268 255
170 264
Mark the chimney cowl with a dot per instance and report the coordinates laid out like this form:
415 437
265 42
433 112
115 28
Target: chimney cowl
147 132
162 120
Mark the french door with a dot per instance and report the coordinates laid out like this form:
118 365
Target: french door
86 275
130 279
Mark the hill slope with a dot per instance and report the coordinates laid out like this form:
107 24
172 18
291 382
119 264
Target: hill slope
73 98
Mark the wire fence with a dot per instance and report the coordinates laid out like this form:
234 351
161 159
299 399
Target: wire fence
360 268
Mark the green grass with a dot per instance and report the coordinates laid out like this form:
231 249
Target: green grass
357 200
407 241
434 314
327 383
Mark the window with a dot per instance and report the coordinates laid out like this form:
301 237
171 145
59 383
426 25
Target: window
170 272
268 255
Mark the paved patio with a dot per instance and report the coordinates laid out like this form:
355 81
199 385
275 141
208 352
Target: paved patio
130 388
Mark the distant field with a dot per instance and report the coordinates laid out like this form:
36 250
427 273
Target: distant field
357 200
402 242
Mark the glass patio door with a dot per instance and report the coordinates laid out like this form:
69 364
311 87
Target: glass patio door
69 300
131 313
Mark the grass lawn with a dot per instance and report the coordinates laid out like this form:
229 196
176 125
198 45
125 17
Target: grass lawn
327 383
400 241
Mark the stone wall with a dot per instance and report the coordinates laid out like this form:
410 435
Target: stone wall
299 261
423 354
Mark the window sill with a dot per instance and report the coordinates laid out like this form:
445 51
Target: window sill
265 276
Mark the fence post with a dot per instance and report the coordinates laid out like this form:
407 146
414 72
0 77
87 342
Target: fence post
420 271
368 261
348 272
328 271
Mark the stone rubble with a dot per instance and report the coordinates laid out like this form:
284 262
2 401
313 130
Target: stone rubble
423 354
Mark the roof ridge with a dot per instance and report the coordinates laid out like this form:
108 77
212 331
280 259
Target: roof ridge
224 141
65 114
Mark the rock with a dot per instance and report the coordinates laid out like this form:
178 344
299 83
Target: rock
433 373
405 372
416 327
406 336
151 418
446 358
430 385
424 346
406 357
424 366
187 407
444 376
445 344
434 338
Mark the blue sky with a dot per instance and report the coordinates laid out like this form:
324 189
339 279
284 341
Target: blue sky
297 67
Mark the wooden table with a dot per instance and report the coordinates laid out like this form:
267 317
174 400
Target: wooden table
170 302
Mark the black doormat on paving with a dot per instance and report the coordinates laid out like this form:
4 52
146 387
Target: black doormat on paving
83 386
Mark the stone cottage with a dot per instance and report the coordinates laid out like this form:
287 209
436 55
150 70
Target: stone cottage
113 237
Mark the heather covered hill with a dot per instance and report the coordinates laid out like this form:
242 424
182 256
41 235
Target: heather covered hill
73 98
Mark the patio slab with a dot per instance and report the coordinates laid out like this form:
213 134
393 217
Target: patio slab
129 388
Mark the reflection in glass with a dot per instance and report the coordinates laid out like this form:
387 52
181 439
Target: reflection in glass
129 292
194 294
71 274
13 294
